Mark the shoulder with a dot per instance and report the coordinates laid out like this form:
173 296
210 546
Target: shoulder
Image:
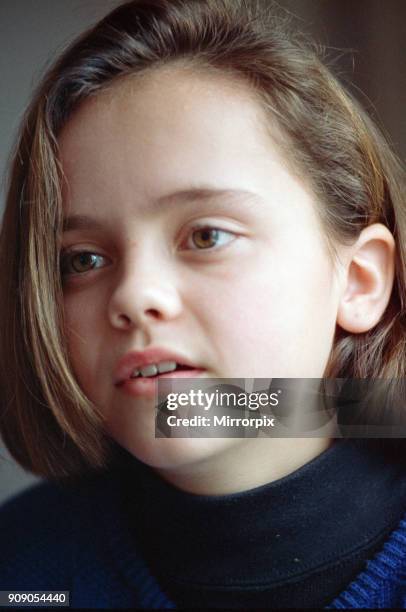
34 507
76 538
40 531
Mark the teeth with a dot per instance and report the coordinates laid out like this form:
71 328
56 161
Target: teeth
166 366
153 369
149 370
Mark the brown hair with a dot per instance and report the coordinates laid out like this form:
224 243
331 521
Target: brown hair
48 424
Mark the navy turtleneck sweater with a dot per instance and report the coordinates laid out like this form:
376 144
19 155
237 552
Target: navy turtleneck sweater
124 538
296 542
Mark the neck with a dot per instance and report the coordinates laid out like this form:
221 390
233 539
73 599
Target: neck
251 464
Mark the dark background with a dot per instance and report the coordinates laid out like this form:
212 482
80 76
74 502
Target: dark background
368 40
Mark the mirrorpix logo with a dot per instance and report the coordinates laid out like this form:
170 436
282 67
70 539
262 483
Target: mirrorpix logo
219 408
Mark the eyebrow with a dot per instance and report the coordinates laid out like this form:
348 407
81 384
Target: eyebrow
183 197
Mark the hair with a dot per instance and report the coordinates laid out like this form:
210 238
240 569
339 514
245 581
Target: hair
48 424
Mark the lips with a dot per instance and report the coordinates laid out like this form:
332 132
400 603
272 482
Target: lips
138 359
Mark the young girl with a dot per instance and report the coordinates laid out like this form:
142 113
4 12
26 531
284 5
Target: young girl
193 189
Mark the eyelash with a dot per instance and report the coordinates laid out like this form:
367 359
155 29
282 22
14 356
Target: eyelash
67 255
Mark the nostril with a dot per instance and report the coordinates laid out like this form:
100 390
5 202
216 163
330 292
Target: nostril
152 312
124 319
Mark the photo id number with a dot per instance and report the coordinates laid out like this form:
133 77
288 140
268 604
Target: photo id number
34 598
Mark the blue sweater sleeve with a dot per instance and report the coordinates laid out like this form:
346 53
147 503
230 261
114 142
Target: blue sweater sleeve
58 538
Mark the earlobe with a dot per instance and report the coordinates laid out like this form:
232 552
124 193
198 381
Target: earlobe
370 271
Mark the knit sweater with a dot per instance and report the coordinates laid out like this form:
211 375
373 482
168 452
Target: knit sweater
74 537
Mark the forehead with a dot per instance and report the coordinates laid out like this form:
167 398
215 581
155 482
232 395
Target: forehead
167 115
178 87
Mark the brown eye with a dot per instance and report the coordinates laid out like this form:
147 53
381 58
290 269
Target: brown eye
76 263
205 238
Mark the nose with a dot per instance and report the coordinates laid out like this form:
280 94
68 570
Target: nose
146 293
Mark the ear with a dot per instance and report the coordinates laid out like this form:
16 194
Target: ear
368 279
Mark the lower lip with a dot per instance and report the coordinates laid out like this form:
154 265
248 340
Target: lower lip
147 387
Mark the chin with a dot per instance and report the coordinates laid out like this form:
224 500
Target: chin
178 453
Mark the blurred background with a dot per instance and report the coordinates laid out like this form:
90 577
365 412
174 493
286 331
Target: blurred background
366 39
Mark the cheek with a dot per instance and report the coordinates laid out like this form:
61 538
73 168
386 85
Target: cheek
304 316
273 320
84 334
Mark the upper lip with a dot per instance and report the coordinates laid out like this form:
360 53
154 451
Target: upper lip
138 359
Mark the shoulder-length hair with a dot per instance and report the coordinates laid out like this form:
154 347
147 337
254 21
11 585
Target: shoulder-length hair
48 424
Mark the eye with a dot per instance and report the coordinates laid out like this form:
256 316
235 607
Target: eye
78 262
208 237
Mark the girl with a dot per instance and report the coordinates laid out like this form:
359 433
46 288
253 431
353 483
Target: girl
193 189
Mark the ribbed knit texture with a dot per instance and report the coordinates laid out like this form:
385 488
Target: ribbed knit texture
383 583
50 539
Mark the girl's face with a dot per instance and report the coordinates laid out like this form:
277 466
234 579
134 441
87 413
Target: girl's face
238 282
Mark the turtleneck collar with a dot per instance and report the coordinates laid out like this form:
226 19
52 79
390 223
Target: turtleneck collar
338 502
